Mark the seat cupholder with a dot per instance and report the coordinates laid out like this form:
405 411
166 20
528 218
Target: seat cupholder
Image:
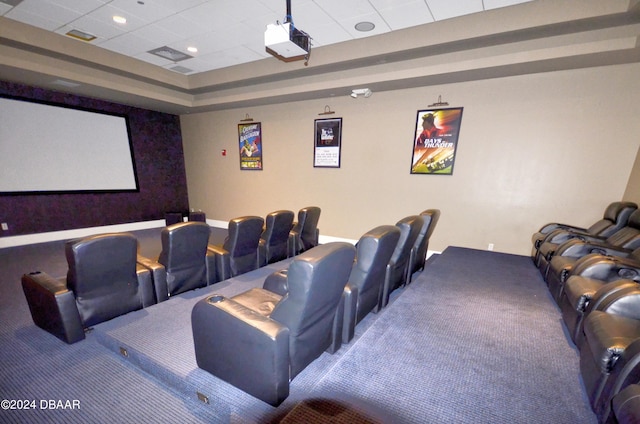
215 298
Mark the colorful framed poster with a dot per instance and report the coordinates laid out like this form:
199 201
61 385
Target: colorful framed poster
435 140
328 142
250 146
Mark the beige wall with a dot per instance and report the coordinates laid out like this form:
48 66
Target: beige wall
535 148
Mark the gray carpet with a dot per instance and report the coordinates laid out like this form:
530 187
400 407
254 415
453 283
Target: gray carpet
474 339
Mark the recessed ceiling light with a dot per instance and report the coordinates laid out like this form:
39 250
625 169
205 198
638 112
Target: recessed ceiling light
119 19
192 49
365 26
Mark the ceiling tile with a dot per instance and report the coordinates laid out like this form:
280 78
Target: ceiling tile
446 9
229 32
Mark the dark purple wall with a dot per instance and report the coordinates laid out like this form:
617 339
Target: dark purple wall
159 160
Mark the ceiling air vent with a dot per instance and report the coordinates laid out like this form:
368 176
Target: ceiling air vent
84 36
169 53
181 69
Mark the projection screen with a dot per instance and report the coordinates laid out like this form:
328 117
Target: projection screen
47 148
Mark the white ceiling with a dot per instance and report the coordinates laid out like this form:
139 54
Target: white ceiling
227 32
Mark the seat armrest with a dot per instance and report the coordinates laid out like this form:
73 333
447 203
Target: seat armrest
277 282
222 259
212 275
145 285
242 347
53 306
350 295
337 328
262 253
158 276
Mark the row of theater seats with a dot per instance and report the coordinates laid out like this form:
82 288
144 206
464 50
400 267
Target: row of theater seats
261 339
593 274
108 278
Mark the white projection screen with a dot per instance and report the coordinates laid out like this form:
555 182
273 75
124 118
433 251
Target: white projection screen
46 148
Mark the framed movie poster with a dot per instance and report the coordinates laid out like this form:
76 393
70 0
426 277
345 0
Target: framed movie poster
250 146
435 140
328 141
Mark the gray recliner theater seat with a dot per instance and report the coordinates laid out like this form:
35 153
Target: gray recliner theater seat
239 252
420 247
610 353
258 340
558 266
362 293
103 281
590 279
305 233
184 258
616 216
626 406
274 240
397 271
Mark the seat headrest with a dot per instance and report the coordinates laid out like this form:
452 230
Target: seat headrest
90 258
184 243
244 235
375 242
316 280
616 209
634 219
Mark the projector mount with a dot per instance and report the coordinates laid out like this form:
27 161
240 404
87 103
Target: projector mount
286 42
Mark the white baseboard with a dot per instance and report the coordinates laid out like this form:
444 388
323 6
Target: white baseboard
13 241
79 232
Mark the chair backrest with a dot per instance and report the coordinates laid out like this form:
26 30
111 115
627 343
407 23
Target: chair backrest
102 276
374 249
615 217
307 226
430 219
242 243
276 234
409 230
184 250
316 280
629 235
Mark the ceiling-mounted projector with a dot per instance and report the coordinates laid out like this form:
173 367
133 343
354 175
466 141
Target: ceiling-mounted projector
285 41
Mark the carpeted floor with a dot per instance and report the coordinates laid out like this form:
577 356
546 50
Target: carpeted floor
474 339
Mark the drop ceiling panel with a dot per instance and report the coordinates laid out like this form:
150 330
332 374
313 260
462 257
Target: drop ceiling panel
446 9
225 31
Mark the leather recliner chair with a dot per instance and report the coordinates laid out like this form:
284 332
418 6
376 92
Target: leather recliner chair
239 252
591 277
616 216
184 258
555 245
396 274
362 293
559 266
420 247
625 406
274 240
305 233
582 299
259 341
103 281
610 353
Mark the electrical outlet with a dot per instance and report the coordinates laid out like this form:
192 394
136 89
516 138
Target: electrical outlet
5 226
490 247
